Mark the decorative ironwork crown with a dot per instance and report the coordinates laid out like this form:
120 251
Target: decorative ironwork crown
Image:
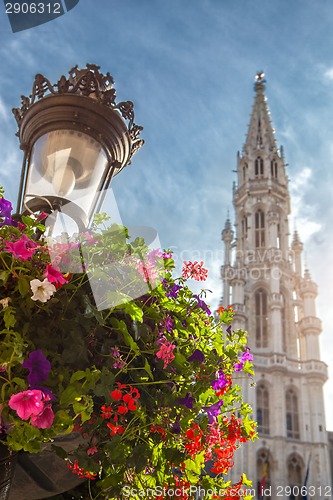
87 82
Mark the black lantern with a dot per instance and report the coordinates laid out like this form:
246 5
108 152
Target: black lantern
75 138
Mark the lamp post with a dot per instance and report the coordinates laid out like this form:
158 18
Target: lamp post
75 138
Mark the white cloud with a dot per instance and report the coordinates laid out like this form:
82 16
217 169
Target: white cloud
301 211
329 74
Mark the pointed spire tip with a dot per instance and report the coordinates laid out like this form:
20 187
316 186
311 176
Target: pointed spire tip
259 81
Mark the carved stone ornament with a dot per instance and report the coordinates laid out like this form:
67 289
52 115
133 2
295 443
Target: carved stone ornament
87 82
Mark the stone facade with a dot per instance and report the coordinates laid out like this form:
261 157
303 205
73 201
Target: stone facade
274 300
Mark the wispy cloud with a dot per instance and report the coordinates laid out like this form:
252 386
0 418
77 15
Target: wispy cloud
328 75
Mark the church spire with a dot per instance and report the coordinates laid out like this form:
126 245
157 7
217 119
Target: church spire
260 135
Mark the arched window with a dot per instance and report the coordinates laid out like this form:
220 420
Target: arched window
274 169
259 225
261 319
292 420
262 409
263 474
295 477
259 167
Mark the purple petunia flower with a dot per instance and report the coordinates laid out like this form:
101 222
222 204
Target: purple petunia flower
8 221
197 355
221 381
172 290
202 304
39 367
187 401
213 410
246 356
5 208
229 329
168 323
238 367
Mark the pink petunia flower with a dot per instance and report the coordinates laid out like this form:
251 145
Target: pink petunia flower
194 270
27 403
54 276
22 249
44 419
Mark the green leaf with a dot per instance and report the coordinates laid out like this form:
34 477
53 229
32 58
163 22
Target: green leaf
248 425
194 467
148 369
79 375
4 275
23 286
9 317
133 310
20 382
63 422
128 339
69 396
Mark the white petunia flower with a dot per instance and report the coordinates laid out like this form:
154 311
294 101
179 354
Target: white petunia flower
5 302
42 290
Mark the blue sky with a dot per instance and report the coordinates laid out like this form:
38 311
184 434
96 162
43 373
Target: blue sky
189 67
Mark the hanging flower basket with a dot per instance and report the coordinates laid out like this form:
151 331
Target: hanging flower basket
98 337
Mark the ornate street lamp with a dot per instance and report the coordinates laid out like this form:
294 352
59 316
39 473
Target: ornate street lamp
75 138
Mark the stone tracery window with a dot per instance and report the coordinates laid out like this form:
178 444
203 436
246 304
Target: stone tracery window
259 225
259 167
261 318
292 418
274 169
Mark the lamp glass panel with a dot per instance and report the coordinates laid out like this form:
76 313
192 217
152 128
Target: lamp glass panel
67 164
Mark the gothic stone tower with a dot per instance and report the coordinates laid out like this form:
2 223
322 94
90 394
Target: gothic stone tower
274 301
